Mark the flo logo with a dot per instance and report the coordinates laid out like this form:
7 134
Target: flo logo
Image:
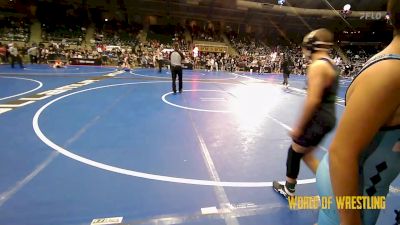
372 16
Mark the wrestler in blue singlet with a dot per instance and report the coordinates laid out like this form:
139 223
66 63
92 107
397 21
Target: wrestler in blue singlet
379 166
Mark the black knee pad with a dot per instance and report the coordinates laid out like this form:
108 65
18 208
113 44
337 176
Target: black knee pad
293 163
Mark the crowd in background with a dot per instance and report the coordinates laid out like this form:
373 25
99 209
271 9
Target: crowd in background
117 33
14 28
253 54
204 34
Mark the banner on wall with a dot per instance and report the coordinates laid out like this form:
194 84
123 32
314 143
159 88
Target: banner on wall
212 48
80 61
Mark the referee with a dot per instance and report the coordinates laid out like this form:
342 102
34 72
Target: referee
176 58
